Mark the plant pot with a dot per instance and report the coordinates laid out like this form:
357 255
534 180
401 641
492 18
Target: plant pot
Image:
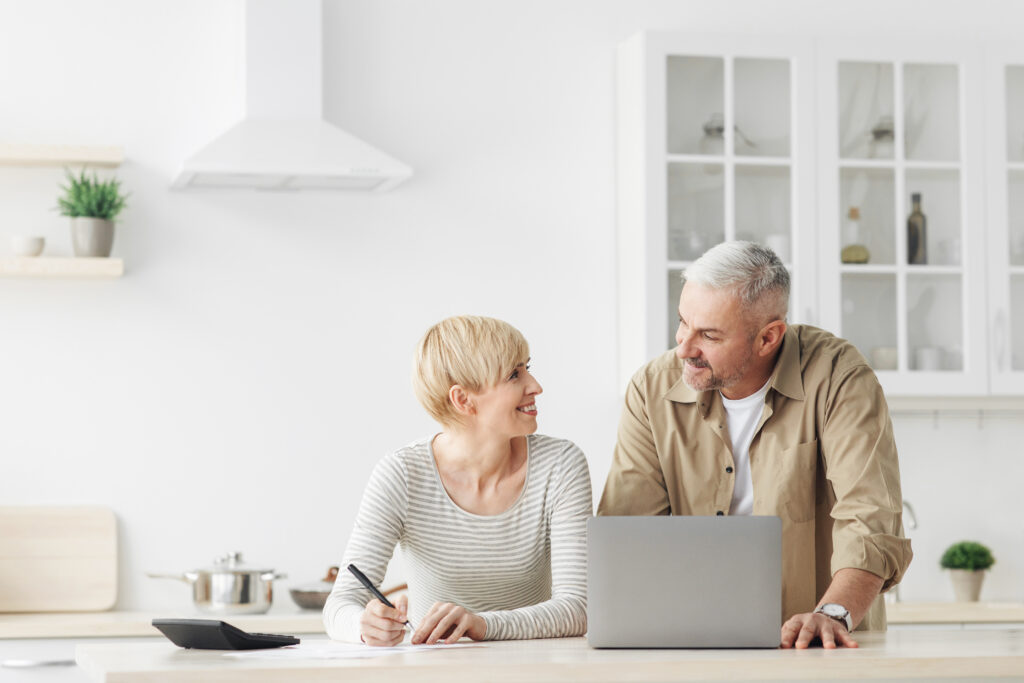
92 236
967 583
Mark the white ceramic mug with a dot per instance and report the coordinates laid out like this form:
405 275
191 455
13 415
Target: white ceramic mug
928 358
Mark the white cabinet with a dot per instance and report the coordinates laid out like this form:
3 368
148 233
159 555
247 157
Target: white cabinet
897 123
713 145
818 148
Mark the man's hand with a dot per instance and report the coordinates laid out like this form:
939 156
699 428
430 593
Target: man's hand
448 622
802 629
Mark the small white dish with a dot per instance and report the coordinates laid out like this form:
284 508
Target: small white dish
27 246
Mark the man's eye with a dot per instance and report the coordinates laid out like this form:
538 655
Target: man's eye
709 337
514 375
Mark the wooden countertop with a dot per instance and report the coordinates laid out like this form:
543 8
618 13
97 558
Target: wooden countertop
920 654
117 624
294 621
955 612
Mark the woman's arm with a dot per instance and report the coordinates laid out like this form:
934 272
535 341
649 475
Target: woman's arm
565 614
377 529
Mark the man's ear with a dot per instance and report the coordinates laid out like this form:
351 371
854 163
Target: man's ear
461 400
770 337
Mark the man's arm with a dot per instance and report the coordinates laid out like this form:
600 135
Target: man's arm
869 552
636 484
854 589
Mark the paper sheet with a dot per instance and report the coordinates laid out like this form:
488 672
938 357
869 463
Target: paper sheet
328 649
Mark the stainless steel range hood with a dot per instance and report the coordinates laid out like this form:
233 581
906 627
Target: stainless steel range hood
283 143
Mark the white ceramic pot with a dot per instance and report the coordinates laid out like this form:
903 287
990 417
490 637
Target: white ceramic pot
967 583
92 236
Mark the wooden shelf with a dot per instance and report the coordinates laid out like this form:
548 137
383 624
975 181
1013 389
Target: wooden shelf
81 267
61 155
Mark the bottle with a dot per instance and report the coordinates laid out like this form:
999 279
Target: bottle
917 233
854 251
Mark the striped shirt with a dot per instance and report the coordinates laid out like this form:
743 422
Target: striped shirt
523 570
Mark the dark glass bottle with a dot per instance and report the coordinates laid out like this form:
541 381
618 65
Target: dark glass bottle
917 233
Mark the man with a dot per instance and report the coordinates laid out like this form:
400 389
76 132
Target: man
750 416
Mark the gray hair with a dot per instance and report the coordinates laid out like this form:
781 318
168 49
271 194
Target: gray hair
753 271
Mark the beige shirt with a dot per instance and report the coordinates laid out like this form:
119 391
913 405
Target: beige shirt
823 459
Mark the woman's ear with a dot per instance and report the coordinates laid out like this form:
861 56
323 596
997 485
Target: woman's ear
461 400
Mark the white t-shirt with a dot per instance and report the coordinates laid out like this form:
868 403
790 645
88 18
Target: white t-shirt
743 415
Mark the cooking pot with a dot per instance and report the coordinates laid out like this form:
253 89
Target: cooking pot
229 587
314 595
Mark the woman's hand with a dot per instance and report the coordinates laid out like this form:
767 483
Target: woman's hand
447 622
384 626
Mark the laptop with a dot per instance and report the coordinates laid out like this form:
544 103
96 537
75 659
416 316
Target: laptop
684 582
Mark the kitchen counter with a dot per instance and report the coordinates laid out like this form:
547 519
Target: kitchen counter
294 621
955 612
116 624
910 654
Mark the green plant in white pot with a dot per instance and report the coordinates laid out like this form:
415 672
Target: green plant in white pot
93 205
967 562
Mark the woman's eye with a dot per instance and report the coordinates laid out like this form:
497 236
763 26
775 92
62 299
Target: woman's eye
514 375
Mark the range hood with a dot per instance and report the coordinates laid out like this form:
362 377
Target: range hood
283 143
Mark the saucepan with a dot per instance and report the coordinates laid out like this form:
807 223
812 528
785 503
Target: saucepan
230 586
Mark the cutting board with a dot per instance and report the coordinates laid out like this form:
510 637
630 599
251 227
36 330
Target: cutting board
57 559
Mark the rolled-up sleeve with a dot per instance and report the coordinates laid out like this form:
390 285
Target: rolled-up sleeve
635 484
862 467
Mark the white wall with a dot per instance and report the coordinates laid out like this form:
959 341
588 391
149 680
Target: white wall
234 389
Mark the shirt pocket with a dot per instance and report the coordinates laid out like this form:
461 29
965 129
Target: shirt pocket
797 480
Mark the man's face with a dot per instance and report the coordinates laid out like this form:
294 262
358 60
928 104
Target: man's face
714 338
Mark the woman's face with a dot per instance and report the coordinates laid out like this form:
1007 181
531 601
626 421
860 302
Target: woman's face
510 408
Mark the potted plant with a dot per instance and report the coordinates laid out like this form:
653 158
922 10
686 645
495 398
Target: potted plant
93 205
967 562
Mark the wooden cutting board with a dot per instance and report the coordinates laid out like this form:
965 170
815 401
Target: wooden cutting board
57 559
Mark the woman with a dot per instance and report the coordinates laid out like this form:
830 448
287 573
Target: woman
491 517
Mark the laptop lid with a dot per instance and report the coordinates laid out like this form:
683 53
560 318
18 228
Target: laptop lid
684 582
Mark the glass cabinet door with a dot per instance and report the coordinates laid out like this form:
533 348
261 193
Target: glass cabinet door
715 140
727 161
1006 217
900 218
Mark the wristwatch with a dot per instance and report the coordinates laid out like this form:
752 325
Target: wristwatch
837 612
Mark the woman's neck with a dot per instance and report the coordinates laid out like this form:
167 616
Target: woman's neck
476 460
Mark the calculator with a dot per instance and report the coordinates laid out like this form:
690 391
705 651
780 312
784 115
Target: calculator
212 634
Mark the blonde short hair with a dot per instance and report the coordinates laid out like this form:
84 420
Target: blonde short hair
469 350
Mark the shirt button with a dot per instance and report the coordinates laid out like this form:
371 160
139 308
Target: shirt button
719 513
729 470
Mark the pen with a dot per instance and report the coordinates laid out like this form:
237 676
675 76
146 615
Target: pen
373 589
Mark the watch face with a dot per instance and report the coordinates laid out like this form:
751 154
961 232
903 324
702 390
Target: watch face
833 610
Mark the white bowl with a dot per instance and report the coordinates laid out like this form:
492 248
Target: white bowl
27 246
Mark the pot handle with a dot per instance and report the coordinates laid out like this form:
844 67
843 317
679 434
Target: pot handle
270 576
187 577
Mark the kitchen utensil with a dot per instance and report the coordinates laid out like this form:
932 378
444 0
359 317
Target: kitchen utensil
314 595
27 246
57 558
229 587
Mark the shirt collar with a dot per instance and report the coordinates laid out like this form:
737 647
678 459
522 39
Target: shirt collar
787 378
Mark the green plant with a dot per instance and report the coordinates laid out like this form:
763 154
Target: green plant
91 197
967 555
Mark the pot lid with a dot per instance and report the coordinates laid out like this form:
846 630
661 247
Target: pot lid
232 562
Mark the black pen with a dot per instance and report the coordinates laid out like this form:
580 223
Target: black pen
373 589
